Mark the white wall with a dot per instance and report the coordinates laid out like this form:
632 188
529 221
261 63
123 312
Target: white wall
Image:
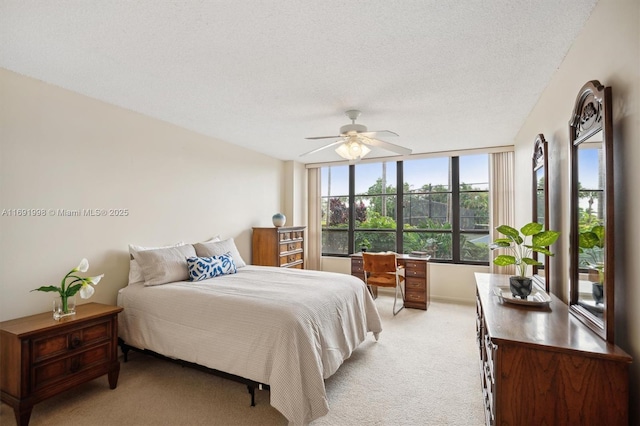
608 50
61 150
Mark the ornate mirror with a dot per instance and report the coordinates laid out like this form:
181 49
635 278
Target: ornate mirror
540 205
591 232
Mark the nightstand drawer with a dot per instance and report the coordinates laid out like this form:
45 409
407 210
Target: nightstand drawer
50 346
48 373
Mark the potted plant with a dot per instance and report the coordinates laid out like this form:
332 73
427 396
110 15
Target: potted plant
65 304
516 242
591 243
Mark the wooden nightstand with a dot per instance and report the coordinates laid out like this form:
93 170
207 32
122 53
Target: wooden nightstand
42 357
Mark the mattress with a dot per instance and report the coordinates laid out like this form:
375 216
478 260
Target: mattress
287 328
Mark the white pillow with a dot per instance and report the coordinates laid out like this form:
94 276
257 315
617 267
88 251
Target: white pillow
217 248
135 272
165 265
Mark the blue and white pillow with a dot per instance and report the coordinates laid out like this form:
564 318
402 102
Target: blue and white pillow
202 268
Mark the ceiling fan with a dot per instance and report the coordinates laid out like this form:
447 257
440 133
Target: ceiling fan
355 139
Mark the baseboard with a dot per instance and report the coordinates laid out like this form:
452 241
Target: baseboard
454 300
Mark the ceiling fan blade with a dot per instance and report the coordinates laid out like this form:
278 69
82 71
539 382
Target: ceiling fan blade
322 147
323 137
388 146
376 133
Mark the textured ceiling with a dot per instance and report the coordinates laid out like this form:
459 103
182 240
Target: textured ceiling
444 75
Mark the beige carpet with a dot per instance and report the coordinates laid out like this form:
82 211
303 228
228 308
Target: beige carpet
423 371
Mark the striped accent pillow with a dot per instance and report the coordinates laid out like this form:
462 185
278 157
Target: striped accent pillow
202 268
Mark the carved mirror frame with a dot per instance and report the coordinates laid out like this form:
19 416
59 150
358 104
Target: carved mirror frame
591 129
540 170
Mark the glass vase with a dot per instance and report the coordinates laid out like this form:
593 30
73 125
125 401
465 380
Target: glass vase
64 306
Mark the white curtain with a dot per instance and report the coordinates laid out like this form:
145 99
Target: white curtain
501 195
314 230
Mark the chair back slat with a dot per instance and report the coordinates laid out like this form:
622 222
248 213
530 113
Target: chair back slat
379 262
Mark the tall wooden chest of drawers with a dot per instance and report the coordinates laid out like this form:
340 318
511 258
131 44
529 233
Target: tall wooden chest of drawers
416 286
541 366
282 247
42 357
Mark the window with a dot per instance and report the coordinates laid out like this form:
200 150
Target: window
375 206
438 205
335 209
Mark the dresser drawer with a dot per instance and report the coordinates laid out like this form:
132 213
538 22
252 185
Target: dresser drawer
295 266
284 236
415 269
59 369
413 283
415 295
292 259
291 236
290 247
357 267
69 340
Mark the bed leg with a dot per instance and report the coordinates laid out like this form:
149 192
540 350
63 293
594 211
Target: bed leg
124 348
252 391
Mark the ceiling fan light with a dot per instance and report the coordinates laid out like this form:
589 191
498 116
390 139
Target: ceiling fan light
352 150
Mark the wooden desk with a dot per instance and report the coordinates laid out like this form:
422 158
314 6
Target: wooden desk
542 366
42 357
416 286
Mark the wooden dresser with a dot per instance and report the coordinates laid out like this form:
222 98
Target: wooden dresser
283 247
541 366
42 357
416 286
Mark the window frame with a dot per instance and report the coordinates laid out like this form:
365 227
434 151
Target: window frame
455 231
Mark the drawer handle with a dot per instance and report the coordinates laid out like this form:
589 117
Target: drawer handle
75 342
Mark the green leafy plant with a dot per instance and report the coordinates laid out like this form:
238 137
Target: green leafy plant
591 243
517 244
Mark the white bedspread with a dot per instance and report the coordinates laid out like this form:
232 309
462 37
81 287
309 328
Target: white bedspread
287 328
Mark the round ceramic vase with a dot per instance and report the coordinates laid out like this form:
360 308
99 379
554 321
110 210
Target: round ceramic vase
279 220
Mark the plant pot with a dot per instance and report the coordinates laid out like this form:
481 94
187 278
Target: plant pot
520 286
597 292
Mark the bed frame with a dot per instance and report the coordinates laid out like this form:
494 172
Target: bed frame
251 384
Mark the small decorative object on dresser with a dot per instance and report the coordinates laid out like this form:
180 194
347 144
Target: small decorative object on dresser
282 246
66 304
279 220
520 284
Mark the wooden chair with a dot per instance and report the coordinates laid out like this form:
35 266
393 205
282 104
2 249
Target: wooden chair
382 270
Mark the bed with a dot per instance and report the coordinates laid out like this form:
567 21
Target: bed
287 328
